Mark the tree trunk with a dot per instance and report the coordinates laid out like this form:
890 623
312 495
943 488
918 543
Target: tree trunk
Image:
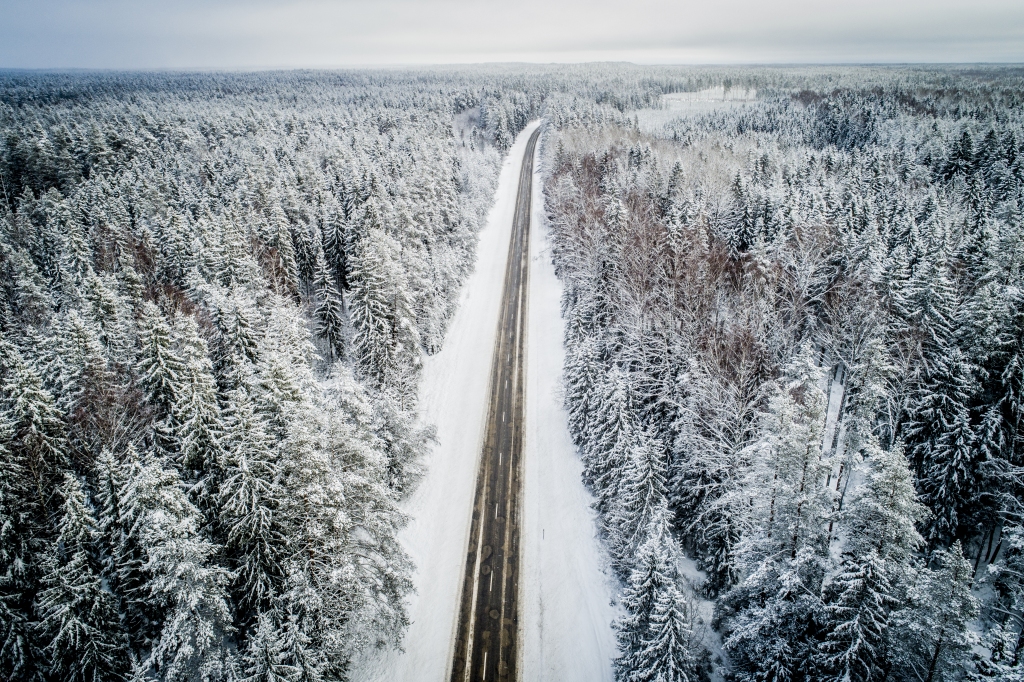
935 658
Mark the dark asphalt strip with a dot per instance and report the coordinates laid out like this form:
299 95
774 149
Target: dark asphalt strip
485 645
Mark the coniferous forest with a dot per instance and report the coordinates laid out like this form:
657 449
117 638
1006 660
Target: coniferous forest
794 360
215 294
795 354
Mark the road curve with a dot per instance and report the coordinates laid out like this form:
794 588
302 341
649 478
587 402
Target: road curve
488 626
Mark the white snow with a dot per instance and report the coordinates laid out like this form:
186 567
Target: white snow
678 105
834 386
566 584
453 397
705 610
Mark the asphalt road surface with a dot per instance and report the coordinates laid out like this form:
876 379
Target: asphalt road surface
485 646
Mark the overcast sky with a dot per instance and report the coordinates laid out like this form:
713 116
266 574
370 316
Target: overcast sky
231 34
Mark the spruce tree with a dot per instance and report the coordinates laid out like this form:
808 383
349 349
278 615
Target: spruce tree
611 436
77 615
931 636
264 660
19 541
330 308
196 412
160 369
250 501
641 494
876 569
373 308
178 587
943 442
656 635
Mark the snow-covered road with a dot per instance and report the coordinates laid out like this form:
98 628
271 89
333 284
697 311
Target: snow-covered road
566 611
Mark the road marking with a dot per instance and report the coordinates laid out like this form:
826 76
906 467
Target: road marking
513 320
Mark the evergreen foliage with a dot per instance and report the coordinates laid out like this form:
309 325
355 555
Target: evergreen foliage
805 307
215 292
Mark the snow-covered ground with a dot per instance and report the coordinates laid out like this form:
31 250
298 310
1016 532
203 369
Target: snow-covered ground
565 586
566 609
676 105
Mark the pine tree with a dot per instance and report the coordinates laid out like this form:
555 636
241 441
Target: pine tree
931 637
330 308
78 616
656 635
881 536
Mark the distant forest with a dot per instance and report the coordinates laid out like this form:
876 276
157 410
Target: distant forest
794 365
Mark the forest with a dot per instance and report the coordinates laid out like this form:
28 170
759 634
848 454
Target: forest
795 357
794 362
215 292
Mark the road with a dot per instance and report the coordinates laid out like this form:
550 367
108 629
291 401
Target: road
485 645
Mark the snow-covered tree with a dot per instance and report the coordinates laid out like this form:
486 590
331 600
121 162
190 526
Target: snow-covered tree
330 309
160 366
77 614
251 498
264 660
196 412
181 587
931 636
880 537
659 635
611 436
641 495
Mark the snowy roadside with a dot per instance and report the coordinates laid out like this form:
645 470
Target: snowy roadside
453 397
566 584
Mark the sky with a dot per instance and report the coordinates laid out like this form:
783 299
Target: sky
258 34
